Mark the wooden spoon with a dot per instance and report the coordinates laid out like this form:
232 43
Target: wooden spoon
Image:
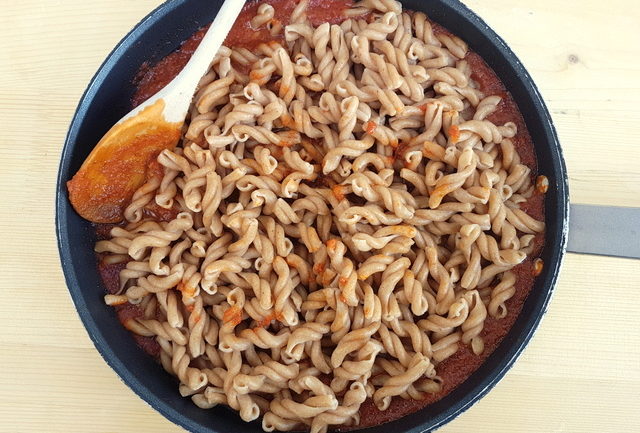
117 166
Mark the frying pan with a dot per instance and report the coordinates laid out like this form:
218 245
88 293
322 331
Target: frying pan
107 99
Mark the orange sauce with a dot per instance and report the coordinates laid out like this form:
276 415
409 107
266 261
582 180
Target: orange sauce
331 244
454 133
370 127
232 315
338 192
319 268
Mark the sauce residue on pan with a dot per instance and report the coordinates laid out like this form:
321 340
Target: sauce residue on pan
110 276
462 364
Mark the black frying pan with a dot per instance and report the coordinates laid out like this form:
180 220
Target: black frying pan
107 99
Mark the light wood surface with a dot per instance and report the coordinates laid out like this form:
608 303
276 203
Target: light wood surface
581 372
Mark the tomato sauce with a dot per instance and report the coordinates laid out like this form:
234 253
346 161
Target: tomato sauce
109 274
463 363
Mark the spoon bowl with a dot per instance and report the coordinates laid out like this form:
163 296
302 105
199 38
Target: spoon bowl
123 159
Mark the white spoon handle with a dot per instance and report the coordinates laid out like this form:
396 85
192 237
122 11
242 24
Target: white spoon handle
179 92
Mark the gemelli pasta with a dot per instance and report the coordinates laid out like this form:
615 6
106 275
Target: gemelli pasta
339 219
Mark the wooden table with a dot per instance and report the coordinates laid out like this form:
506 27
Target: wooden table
581 372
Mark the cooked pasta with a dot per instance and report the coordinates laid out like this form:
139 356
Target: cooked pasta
343 217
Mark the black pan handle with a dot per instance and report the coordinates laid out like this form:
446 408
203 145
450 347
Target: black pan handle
604 230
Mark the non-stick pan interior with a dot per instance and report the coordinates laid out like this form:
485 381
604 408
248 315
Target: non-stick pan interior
108 98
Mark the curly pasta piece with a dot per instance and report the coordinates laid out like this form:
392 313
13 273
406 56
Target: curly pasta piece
148 328
308 332
396 385
474 323
265 14
265 136
500 294
379 30
401 203
382 237
160 238
213 94
345 414
142 197
358 369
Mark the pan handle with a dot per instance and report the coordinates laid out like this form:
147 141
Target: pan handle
604 230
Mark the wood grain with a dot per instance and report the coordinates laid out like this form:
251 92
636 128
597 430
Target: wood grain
581 373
